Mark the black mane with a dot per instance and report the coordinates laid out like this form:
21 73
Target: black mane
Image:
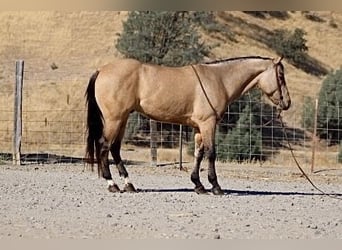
237 58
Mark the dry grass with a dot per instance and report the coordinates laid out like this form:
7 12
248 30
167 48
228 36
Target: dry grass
79 42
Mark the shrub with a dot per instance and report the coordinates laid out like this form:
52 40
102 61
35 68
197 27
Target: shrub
243 143
308 113
330 108
291 45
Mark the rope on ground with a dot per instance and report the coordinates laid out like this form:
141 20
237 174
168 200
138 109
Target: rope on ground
334 196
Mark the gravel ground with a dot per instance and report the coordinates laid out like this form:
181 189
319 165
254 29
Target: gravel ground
64 201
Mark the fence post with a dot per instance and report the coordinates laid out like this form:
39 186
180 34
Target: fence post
19 79
180 147
314 137
153 143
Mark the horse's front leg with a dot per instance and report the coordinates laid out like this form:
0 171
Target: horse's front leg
208 137
199 153
212 177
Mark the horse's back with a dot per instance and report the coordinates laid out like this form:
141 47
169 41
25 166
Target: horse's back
163 93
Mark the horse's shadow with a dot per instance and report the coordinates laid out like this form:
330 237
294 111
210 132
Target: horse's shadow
234 192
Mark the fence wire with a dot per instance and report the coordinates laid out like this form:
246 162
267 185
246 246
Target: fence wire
54 126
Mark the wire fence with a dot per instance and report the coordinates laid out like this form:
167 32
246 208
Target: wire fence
54 126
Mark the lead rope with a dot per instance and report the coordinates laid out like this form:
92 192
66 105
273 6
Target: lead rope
334 196
205 93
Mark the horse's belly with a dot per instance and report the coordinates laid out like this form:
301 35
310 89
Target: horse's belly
172 112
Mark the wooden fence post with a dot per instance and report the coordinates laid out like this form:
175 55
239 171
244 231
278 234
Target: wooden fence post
17 133
314 137
153 143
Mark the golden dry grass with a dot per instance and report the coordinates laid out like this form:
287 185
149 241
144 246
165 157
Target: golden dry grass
79 42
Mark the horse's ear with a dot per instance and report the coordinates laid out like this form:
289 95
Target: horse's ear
278 59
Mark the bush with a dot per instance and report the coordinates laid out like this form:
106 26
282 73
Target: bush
243 143
313 17
292 45
308 113
208 22
330 108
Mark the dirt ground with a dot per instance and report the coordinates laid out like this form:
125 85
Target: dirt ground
65 201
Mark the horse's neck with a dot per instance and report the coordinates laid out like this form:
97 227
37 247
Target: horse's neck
239 77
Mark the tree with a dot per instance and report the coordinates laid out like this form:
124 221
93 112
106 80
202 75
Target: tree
329 120
161 37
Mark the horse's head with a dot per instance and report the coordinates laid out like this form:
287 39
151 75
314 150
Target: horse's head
272 83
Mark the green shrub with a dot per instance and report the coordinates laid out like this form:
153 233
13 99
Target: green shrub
292 45
329 119
243 143
308 113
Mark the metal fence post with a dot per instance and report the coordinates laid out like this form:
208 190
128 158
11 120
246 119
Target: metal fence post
180 147
17 133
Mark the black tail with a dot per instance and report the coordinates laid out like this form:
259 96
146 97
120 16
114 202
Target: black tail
94 123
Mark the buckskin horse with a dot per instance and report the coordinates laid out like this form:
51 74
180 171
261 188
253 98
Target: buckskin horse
194 95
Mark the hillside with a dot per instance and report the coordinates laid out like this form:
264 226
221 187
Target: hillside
78 42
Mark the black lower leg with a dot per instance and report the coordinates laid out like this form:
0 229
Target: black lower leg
115 150
195 178
104 162
212 177
112 187
122 170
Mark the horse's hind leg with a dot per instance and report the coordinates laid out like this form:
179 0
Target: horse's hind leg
115 150
104 165
111 133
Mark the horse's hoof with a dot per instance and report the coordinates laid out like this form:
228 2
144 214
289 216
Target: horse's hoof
217 191
114 188
130 188
200 190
